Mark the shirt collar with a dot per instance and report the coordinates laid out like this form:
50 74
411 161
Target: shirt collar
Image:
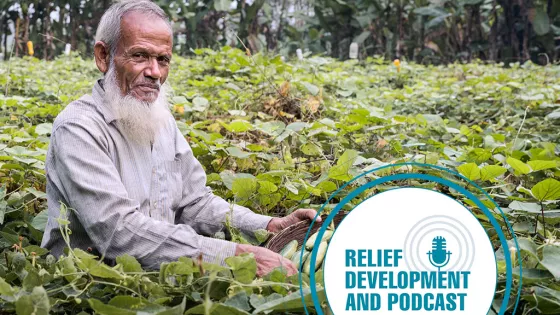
98 94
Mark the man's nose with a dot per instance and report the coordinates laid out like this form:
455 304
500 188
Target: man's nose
152 70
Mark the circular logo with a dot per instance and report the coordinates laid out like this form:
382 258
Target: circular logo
410 250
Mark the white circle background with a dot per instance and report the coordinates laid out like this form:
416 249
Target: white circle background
383 222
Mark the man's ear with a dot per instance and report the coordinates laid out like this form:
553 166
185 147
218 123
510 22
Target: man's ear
102 56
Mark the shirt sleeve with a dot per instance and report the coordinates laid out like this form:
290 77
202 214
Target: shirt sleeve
92 186
203 210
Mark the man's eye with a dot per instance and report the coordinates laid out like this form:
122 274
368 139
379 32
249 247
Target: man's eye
163 60
139 56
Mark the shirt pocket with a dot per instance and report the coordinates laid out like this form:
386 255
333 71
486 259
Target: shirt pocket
170 185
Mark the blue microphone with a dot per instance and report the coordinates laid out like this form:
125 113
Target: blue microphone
439 257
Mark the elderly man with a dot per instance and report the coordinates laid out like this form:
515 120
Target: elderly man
117 159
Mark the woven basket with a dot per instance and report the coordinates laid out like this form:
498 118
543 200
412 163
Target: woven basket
297 232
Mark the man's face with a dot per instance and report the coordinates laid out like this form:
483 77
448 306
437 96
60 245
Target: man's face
143 55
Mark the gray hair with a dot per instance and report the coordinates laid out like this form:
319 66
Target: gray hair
109 29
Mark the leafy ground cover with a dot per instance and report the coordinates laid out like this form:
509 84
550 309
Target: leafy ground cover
275 136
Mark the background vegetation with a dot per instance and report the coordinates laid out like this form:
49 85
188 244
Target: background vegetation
426 31
275 136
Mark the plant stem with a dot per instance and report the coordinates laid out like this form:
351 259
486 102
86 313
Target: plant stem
543 222
519 130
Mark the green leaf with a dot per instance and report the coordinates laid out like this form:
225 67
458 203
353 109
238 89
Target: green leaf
362 37
525 206
228 177
200 103
291 302
96 268
470 171
244 267
313 89
222 5
341 170
518 166
36 303
143 306
32 280
39 251
68 268
548 189
546 300
533 275
244 188
239 301
238 153
43 129
5 288
266 187
541 22
239 126
528 245
551 260
187 266
327 186
262 235
472 2
176 310
129 263
524 190
542 165
311 149
489 172
215 309
257 300
430 11
104 309
40 221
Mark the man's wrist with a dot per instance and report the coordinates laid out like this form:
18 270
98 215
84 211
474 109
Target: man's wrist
215 251
249 221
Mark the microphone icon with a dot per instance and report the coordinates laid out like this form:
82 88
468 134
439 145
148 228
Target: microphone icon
439 257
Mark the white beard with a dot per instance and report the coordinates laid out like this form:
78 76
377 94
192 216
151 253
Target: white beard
140 121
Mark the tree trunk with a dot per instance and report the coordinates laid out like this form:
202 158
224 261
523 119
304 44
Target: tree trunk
280 24
399 30
467 40
74 33
26 33
494 34
47 30
509 35
16 38
525 6
5 32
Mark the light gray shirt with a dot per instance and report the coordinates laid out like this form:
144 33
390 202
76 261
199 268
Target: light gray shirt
149 202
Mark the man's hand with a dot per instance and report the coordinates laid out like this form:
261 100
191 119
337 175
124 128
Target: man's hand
267 260
278 224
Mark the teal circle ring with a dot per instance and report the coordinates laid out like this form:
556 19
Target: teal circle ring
431 178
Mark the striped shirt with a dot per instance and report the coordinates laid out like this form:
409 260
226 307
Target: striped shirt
124 197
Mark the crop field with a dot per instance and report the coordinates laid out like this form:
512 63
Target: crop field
278 135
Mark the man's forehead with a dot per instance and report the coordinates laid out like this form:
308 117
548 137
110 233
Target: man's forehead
138 27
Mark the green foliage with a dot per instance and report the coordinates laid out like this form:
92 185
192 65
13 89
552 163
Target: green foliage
426 31
276 136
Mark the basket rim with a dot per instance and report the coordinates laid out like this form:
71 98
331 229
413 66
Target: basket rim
281 235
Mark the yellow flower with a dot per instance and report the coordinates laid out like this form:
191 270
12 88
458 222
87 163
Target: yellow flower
397 64
30 48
